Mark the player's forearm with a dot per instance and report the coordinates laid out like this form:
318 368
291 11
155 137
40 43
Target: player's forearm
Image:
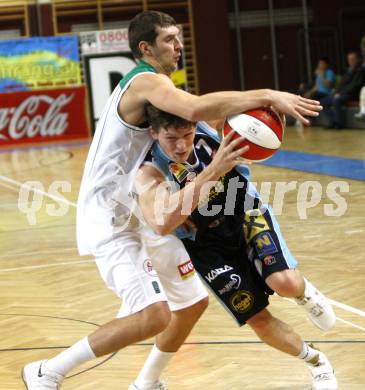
160 91
182 203
217 105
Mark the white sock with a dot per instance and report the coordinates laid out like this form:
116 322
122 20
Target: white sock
308 353
152 368
362 110
72 357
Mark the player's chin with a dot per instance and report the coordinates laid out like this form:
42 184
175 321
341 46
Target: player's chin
181 157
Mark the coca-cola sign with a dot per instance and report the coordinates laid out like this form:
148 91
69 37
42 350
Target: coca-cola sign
43 116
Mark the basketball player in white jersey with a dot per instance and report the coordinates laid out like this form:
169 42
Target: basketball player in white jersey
151 274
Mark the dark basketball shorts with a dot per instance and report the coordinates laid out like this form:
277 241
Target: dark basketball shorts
236 274
231 278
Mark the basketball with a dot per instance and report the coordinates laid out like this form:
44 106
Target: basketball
263 129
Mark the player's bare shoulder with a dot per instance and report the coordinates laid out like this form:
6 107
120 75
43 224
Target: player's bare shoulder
147 82
131 104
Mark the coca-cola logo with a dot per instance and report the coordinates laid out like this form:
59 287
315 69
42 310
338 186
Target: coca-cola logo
37 115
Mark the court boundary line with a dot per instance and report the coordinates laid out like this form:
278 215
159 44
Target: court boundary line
40 266
45 193
27 148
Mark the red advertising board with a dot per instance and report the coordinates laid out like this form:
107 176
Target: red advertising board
31 117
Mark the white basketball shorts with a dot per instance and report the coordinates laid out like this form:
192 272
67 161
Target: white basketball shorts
143 268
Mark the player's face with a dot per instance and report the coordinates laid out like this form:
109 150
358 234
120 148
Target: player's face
177 143
167 48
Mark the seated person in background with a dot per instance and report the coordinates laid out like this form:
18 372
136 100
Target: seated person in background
324 82
233 239
349 88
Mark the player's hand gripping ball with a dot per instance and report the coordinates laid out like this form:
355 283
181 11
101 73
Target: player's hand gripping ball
263 129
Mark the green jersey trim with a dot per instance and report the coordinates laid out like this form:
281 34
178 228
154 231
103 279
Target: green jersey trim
142 67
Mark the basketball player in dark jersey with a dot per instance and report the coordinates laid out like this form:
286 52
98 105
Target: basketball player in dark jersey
233 239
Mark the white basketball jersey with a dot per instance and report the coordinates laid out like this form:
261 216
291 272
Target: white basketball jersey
106 202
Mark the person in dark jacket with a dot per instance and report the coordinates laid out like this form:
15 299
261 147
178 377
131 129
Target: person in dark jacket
348 89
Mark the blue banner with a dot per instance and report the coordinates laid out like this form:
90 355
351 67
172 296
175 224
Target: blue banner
41 62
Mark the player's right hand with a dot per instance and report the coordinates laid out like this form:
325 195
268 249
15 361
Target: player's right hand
229 154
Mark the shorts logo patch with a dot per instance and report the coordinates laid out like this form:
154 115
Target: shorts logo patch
148 268
234 283
265 245
254 223
156 287
216 272
186 269
242 301
269 260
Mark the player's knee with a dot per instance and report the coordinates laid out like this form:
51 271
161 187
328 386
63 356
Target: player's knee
286 283
155 319
289 288
160 318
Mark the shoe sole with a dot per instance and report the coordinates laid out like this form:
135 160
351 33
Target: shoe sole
25 381
23 378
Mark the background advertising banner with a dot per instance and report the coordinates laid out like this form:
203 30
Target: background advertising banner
39 63
107 41
43 116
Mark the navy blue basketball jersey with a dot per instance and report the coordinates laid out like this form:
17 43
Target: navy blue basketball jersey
221 213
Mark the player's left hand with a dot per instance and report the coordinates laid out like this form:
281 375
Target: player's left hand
295 105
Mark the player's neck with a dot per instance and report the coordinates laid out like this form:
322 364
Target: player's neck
156 65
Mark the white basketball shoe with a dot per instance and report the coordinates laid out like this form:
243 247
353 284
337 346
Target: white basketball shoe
36 376
317 306
323 374
159 385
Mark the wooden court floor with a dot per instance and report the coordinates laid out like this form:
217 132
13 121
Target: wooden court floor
51 297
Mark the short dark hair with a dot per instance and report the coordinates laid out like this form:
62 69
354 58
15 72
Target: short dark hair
143 28
159 119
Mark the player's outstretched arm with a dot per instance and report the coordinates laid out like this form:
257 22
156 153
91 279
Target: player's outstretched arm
164 210
159 90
